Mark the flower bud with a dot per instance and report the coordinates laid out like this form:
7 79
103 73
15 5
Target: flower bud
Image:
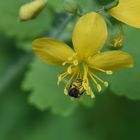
31 10
115 36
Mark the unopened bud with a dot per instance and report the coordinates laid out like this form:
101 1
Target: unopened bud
115 36
31 10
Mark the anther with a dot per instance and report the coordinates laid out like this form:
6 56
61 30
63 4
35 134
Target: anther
106 84
92 95
69 70
75 62
61 77
65 91
109 72
99 88
59 80
64 63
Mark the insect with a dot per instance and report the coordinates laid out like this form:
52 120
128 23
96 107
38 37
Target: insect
76 89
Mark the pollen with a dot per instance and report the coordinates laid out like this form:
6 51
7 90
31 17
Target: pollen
106 84
109 72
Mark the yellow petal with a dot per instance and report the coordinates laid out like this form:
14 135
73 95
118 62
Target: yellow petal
127 11
89 35
111 60
52 51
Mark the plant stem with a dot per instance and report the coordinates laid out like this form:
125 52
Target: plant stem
63 25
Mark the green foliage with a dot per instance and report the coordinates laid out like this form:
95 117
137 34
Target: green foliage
57 4
11 25
29 95
110 115
126 82
41 80
10 68
45 92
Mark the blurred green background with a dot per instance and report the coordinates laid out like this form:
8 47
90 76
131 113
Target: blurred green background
32 107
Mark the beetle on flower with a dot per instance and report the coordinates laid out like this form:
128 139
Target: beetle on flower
85 58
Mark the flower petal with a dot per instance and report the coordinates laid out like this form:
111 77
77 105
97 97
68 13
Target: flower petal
52 51
89 35
111 60
127 11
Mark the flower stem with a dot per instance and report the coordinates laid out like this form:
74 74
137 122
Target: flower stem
63 26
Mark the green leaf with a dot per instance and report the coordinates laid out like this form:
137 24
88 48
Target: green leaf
9 24
126 82
41 80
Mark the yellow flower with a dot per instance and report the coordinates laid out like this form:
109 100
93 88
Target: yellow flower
127 11
85 58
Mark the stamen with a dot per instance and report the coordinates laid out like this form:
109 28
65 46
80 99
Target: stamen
65 91
108 72
69 60
102 81
85 83
78 75
101 70
64 63
86 87
99 88
75 62
59 80
106 84
92 95
61 77
69 69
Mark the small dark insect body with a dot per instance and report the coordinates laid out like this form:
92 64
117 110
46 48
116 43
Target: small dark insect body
76 89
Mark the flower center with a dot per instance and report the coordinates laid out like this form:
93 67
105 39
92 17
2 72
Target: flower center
76 78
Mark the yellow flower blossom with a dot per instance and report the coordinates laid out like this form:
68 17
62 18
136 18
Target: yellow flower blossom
85 58
127 11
